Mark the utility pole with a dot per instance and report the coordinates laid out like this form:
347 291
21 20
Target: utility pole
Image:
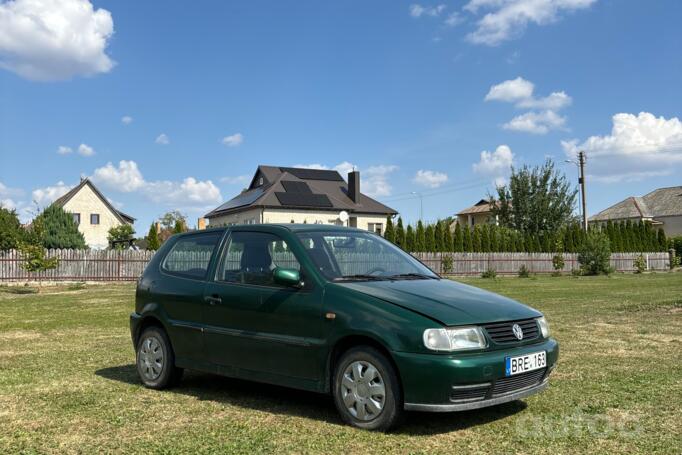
581 163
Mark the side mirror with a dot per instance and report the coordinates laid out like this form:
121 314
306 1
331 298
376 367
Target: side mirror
287 277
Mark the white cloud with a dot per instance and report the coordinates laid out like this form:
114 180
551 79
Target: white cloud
430 179
64 150
536 122
6 196
45 196
511 91
417 10
520 92
233 140
85 150
454 19
126 120
639 147
126 177
54 39
495 164
507 19
162 139
237 180
373 180
188 193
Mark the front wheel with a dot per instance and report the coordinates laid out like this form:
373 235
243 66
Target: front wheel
366 390
155 359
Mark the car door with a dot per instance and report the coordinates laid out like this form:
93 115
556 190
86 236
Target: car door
180 291
255 324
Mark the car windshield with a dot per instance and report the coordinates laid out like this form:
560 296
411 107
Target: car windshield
363 256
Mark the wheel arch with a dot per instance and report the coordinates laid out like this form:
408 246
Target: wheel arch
348 342
147 321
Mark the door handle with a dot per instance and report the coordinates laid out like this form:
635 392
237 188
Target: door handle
213 299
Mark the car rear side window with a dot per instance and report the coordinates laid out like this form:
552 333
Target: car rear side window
191 255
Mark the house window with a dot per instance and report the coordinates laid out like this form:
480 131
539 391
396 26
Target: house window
375 227
94 218
76 218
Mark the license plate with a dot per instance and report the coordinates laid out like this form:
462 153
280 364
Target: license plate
523 363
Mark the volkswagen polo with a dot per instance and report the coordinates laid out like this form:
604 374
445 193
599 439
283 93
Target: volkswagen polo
334 310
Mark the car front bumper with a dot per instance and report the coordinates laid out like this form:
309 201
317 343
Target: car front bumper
463 381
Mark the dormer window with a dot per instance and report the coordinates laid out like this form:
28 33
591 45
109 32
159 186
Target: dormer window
260 181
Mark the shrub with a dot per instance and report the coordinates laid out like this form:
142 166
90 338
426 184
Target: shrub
10 229
576 273
490 273
446 264
675 262
558 263
59 229
524 272
640 264
594 254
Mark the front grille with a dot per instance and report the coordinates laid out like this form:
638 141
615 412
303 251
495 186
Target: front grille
469 393
501 332
511 384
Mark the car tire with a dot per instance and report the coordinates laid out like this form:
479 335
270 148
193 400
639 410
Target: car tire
366 390
155 360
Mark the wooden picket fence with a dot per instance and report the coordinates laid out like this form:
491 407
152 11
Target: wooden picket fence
115 265
471 264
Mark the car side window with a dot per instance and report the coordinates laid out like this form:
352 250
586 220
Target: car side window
251 258
191 255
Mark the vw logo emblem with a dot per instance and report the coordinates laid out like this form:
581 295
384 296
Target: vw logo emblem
518 332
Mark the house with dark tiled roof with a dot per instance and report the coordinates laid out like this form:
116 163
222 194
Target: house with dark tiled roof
299 195
661 207
93 213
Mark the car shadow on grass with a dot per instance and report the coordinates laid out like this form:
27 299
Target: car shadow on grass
283 400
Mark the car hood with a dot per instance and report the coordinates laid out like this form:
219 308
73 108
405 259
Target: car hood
446 301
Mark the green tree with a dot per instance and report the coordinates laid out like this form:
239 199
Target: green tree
168 223
448 242
476 239
400 234
458 240
10 229
153 242
595 253
32 251
59 229
420 238
429 239
468 245
120 233
181 226
543 200
662 241
389 234
485 238
409 239
493 233
438 237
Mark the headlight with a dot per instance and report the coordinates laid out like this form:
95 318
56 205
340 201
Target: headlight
455 339
544 327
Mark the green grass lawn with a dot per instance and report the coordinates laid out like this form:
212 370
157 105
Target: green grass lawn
68 383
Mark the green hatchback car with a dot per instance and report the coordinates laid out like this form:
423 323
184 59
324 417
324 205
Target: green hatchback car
334 310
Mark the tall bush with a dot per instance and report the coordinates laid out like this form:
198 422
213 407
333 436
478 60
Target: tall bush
59 229
594 254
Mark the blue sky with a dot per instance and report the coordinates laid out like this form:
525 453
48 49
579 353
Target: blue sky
173 105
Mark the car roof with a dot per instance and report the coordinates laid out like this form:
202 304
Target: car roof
292 227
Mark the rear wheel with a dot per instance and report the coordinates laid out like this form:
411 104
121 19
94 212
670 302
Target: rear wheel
366 389
155 359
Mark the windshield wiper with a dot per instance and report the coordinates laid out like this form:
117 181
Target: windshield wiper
414 275
361 276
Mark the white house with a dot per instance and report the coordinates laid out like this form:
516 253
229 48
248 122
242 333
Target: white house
93 213
299 195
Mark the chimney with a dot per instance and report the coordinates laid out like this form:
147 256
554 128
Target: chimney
201 224
354 186
158 227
